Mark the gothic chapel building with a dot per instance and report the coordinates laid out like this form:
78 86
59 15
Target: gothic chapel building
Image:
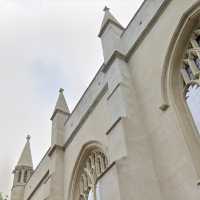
134 134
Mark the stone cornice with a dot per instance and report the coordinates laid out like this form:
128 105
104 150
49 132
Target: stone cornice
23 167
18 185
144 25
55 147
116 54
72 125
56 111
126 52
114 125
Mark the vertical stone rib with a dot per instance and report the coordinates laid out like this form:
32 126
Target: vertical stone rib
185 76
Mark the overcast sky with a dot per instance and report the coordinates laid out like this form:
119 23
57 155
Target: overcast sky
45 45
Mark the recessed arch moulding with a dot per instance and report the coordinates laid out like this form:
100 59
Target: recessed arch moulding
91 164
173 84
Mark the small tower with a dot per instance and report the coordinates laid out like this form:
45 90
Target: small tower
60 115
22 172
109 34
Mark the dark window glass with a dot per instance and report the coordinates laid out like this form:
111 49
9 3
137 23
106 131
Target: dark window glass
19 176
197 62
189 72
198 40
25 176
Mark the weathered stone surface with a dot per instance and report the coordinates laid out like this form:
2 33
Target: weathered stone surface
131 113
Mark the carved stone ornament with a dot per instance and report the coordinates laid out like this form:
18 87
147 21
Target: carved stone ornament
93 167
190 69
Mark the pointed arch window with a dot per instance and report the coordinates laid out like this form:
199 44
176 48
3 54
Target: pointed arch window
190 71
93 167
181 80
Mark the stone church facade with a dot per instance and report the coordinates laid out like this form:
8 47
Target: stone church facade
131 136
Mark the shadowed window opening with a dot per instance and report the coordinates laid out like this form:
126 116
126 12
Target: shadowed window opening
19 176
25 176
190 72
93 166
197 62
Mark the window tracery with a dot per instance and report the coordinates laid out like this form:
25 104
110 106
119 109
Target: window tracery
178 84
190 69
190 72
93 167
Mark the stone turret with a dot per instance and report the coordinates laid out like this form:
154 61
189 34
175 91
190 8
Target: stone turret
22 172
109 34
60 115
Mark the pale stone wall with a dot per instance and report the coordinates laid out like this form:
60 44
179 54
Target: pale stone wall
171 156
17 193
38 185
91 131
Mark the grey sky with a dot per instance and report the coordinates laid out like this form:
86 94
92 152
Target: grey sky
45 45
193 102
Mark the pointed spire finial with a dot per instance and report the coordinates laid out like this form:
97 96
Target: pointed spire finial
28 137
106 9
26 157
61 104
61 90
108 18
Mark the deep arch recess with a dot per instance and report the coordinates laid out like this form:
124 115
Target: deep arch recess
172 84
88 150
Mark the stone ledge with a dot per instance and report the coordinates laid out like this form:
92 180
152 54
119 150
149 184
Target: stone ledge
114 125
54 148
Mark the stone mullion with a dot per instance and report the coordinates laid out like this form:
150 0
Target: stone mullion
90 172
29 174
197 32
96 165
99 165
185 76
81 186
193 51
197 52
85 183
104 160
22 177
92 160
194 43
193 67
102 164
